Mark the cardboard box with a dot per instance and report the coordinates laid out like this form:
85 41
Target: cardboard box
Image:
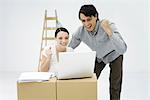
37 90
77 89
72 89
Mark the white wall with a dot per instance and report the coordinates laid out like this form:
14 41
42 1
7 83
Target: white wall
21 28
149 48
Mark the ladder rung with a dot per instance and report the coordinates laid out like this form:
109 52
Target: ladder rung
51 18
48 38
51 28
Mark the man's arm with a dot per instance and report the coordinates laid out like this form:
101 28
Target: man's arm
114 36
106 27
75 40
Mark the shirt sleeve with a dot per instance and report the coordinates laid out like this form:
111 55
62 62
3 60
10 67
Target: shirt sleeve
75 40
117 40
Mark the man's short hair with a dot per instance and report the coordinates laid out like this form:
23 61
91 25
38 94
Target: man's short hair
88 10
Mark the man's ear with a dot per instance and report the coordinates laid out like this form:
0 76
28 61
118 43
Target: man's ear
96 16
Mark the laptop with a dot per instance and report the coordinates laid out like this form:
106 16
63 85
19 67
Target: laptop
76 64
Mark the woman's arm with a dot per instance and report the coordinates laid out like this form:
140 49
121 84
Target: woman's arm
45 62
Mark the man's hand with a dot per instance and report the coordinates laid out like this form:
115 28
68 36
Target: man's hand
106 27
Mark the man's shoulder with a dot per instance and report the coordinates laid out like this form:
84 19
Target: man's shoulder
80 30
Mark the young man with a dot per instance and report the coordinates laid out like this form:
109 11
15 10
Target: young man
102 37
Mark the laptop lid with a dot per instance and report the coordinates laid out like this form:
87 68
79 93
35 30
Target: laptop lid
76 64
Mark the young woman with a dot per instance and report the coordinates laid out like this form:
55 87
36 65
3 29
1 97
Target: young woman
50 53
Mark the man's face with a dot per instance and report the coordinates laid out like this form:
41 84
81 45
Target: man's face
88 22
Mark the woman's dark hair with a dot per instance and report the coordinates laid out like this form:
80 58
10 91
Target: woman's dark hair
88 10
61 29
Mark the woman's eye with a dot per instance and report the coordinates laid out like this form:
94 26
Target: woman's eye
60 38
66 38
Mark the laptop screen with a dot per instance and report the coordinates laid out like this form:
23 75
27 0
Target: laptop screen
76 64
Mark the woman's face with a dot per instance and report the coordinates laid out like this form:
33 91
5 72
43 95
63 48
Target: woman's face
62 38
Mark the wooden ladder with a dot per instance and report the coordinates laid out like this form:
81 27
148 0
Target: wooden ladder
47 32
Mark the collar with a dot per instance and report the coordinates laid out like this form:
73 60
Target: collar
94 32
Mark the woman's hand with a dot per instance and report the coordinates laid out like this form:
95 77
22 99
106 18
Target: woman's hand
45 62
60 48
49 53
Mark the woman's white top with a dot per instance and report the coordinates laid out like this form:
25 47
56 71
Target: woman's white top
53 62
